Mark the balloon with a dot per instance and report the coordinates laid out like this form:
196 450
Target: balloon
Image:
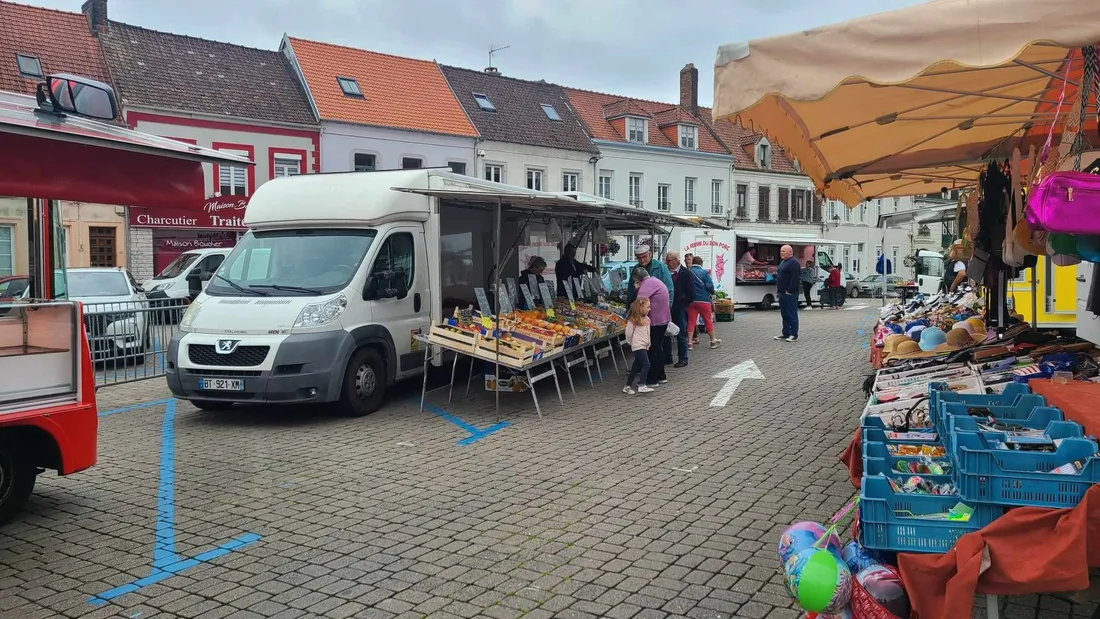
802 535
883 583
856 557
818 581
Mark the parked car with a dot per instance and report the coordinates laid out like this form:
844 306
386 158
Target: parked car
116 312
14 287
871 286
851 285
169 289
623 268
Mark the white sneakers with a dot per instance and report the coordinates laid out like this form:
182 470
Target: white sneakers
641 389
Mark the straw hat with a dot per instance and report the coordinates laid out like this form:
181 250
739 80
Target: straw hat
979 325
891 342
957 339
910 350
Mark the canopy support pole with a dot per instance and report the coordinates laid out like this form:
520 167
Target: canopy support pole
884 269
496 299
1034 296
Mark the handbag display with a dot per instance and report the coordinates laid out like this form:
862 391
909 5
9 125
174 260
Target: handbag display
1066 202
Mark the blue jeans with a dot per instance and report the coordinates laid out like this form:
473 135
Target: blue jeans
788 309
640 370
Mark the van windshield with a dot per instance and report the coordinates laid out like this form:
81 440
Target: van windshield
177 266
299 262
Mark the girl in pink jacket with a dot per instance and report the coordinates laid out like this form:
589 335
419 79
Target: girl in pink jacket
637 335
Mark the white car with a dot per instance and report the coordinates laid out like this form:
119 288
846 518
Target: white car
116 313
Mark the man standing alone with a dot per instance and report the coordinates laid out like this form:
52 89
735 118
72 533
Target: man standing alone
809 278
788 276
683 293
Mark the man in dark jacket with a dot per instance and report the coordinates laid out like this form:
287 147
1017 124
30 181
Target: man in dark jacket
787 278
683 293
568 267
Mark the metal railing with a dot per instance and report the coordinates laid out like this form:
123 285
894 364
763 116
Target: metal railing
129 340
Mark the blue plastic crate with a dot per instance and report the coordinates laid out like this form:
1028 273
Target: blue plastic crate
869 435
881 467
1040 418
877 423
879 451
888 521
1022 478
1011 405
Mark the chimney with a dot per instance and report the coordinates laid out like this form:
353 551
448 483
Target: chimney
689 88
95 11
492 70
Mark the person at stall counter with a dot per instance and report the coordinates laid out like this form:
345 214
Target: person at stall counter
637 335
660 314
683 293
809 277
700 308
958 267
568 267
749 258
535 266
787 276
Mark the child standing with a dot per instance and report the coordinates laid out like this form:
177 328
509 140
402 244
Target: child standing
637 334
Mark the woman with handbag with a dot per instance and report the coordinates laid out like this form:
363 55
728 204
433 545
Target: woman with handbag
660 315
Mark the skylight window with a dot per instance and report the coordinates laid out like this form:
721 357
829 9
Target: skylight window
484 103
29 66
550 112
349 87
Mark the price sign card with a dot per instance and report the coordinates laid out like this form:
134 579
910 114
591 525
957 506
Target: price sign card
533 284
504 299
577 285
483 302
548 299
569 295
616 280
527 296
512 292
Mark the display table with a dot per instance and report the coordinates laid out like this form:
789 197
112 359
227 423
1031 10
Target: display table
598 348
1029 550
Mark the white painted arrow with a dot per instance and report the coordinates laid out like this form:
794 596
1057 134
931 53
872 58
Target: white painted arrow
734 376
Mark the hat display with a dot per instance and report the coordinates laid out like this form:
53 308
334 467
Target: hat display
964 325
914 332
910 350
979 325
890 343
932 337
957 339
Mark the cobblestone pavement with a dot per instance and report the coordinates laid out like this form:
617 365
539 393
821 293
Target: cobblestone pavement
614 506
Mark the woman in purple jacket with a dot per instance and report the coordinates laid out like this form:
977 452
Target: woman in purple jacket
660 314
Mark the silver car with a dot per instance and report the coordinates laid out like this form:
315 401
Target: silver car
116 313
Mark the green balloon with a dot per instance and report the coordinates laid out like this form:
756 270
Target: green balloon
818 580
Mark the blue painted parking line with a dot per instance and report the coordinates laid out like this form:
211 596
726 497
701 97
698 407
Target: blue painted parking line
166 561
476 434
135 407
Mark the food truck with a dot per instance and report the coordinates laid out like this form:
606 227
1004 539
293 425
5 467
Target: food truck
54 148
723 251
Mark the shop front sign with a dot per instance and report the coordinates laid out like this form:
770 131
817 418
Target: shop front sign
216 213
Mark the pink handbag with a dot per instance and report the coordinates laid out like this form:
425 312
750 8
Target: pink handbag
1067 202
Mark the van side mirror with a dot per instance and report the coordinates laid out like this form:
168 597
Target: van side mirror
194 284
73 94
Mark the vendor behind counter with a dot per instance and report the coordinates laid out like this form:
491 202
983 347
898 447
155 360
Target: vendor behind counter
569 267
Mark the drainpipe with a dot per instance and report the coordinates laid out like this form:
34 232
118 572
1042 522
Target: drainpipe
595 160
733 194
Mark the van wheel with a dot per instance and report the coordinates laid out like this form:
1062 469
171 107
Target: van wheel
16 481
364 383
767 302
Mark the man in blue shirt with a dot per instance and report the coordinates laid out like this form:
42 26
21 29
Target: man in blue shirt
787 282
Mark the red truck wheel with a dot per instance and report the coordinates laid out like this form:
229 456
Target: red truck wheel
16 481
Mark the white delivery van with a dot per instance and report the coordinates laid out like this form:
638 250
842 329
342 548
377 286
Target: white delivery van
171 282
750 284
321 298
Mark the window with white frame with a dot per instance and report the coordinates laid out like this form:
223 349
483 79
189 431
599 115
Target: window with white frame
603 187
7 250
636 129
878 251
570 181
663 192
689 137
232 179
895 251
689 195
534 179
494 173
634 189
458 167
742 200
286 164
764 154
716 197
848 259
799 205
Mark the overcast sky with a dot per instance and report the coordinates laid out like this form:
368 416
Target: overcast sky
625 47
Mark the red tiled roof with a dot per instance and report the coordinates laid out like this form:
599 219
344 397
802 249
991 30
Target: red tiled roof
674 116
62 42
624 107
590 107
742 143
402 93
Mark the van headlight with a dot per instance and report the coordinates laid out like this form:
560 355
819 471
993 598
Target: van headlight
317 314
189 315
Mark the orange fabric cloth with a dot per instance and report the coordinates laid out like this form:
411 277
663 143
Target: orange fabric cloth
1078 401
876 357
1032 550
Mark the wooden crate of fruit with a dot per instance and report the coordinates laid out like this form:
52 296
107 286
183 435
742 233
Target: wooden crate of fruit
723 310
455 337
513 352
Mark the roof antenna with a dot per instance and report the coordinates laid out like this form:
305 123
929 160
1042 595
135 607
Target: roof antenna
492 50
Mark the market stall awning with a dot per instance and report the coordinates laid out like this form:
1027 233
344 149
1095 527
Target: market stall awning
753 236
614 216
932 214
905 102
67 157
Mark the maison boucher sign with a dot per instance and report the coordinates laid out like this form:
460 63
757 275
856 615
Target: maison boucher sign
215 214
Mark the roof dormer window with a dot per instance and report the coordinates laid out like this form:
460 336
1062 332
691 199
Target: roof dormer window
636 130
29 66
689 137
350 87
764 154
483 102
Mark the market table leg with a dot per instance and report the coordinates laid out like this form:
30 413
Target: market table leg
587 370
470 378
596 363
557 386
451 389
567 365
611 353
531 383
424 383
